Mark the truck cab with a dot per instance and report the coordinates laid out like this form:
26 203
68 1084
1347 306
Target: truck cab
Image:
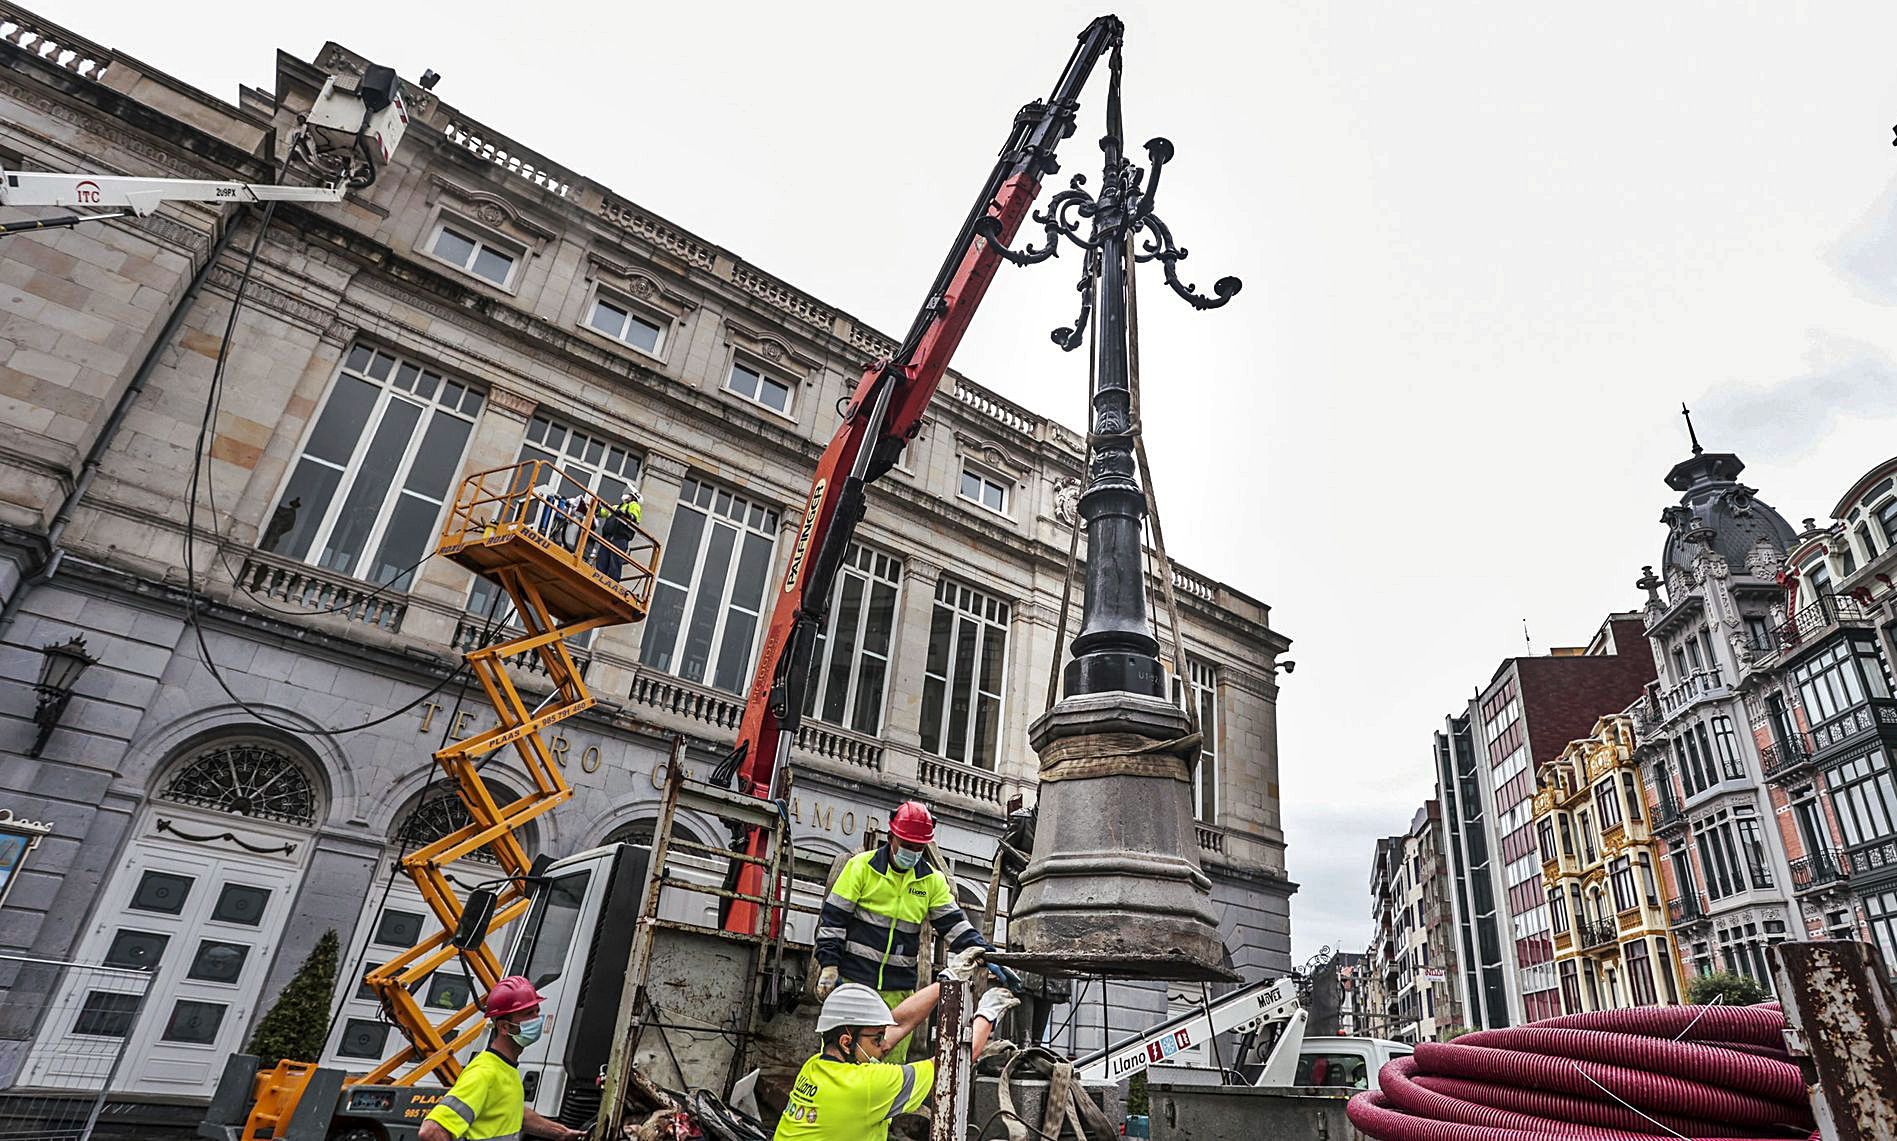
1348 1064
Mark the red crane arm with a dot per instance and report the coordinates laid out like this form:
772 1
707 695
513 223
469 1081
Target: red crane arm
883 414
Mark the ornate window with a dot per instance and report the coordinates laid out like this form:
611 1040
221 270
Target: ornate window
435 818
246 778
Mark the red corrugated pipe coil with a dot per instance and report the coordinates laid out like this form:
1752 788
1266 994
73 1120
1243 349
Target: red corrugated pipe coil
1705 1073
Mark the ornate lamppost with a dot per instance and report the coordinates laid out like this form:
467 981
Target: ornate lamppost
1114 886
59 675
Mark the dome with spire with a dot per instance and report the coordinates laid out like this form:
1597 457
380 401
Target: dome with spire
1719 513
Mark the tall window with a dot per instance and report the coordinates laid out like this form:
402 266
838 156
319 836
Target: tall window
1621 878
759 387
1630 790
1864 798
482 257
961 683
1649 886
1587 837
1663 964
1558 910
1727 744
1887 521
1607 803
1752 850
366 494
1203 679
624 323
600 466
1640 974
851 670
704 617
1544 831
1881 910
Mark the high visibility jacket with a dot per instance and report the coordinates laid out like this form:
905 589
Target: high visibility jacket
871 926
840 1101
632 511
486 1104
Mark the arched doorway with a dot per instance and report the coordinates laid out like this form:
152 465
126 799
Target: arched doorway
199 899
394 918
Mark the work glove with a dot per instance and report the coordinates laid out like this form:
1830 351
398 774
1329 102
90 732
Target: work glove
962 965
826 982
996 1002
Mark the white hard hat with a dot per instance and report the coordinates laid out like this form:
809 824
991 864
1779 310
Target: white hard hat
853 1004
632 493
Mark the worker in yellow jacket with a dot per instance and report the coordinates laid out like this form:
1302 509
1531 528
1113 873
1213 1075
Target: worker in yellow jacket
870 929
850 1090
488 1102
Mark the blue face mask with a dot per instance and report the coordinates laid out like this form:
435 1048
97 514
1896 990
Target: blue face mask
530 1031
906 859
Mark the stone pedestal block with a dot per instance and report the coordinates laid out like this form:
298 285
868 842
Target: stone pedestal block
1114 887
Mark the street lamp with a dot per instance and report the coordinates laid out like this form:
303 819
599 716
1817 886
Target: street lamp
59 674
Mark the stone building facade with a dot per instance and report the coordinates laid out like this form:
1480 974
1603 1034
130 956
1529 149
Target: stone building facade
1415 953
1818 693
1722 859
1612 946
239 770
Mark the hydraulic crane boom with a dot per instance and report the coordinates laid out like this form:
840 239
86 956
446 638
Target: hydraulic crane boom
884 412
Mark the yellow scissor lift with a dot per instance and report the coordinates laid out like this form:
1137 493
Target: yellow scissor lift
533 531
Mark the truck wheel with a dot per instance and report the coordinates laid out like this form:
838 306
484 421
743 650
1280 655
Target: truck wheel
358 1133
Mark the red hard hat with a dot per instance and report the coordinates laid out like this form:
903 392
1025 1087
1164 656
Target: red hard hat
511 995
913 824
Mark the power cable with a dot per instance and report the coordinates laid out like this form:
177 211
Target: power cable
199 451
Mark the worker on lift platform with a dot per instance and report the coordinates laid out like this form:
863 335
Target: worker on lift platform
870 931
616 524
851 1090
488 1102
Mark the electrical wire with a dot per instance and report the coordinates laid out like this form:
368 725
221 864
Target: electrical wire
199 456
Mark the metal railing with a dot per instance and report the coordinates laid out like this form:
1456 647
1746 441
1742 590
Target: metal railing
1818 869
1828 611
87 1014
1852 724
1667 815
1702 683
1599 932
1684 909
537 501
1783 757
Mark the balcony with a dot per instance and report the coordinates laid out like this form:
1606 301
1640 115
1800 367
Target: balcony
1697 687
1667 816
322 592
960 779
1210 839
1685 910
1828 612
1784 758
1825 868
1599 933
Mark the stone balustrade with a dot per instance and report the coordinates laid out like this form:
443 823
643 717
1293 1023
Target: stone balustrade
321 592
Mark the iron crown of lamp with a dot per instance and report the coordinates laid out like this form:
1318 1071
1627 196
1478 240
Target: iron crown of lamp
61 665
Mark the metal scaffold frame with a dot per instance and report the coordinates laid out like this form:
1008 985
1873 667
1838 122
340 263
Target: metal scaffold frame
530 528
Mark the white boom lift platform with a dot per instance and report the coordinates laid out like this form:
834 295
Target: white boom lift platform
1273 1003
352 129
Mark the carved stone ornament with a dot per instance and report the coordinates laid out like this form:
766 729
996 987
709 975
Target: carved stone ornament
1764 560
491 214
1739 500
1741 648
642 288
1066 501
773 351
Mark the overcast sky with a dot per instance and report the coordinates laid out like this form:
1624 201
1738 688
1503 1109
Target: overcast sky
1488 250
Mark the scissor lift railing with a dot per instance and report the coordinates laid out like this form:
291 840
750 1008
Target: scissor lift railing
535 532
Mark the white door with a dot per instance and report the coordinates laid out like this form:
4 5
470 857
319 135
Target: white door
200 901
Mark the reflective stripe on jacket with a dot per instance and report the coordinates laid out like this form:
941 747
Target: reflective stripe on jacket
871 926
487 1103
841 1101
